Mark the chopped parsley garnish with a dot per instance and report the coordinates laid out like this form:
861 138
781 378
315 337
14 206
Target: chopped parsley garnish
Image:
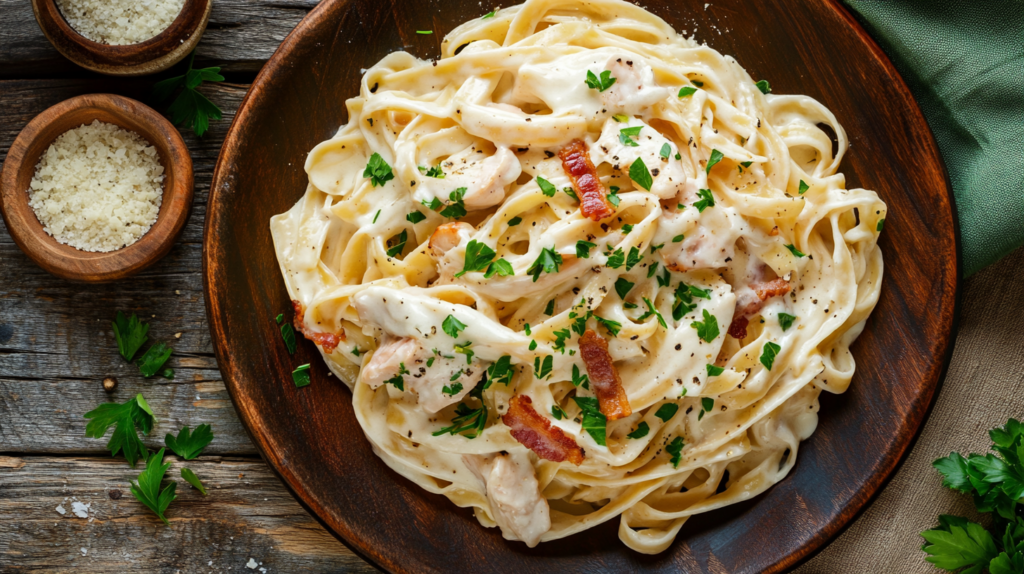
125 418
796 252
601 83
665 278
622 287
621 118
706 404
612 326
435 172
533 345
414 217
550 309
594 423
452 390
546 187
558 413
130 334
768 354
716 156
300 376
683 303
764 86
686 91
434 204
469 422
152 361
666 411
583 249
488 15
657 247
627 228
452 326
571 193
881 224
190 107
375 216
579 379
678 238
500 267
641 430
633 258
675 448
561 336
147 489
786 321
399 244
698 83
515 221
613 197
424 31
457 208
463 349
652 271
189 444
542 368
698 292
526 329
191 478
378 171
478 257
626 135
706 200
714 371
803 187
708 328
639 174
501 371
547 262
666 151
652 311
357 352
617 259
398 382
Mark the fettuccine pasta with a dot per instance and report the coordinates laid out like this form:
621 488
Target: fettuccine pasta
582 268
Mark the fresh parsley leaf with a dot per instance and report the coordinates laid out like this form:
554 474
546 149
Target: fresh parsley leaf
697 83
424 32
699 293
970 547
500 267
501 371
579 379
571 193
378 171
796 252
398 244
398 381
675 448
550 309
152 361
764 86
706 404
881 224
786 321
452 390
376 216
617 259
627 228
706 200
125 418
435 172
190 108
583 249
463 349
300 376
147 489
714 371
622 287
633 258
708 328
526 329
594 423
414 217
641 430
547 262
803 187
561 336
666 411
515 221
652 271
665 278
683 303
542 368
130 334
612 326
621 118
191 478
955 473
743 165
716 156
288 335
558 413
279 318
188 444
639 174
434 204
626 135
452 326
768 354
678 238
651 310
488 15
478 257
546 187
666 151
468 422
600 84
613 197
686 91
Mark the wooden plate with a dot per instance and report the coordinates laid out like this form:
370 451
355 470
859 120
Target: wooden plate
310 436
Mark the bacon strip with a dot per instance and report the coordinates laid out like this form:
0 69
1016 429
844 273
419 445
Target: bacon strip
328 341
604 378
536 433
764 291
576 162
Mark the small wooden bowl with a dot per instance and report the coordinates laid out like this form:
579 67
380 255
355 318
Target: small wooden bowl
66 261
149 57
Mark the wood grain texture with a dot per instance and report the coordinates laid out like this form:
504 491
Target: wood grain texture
240 36
862 435
247 515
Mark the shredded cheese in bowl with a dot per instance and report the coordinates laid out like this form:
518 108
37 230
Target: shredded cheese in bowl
120 22
98 187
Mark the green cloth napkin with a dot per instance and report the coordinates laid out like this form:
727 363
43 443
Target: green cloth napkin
964 62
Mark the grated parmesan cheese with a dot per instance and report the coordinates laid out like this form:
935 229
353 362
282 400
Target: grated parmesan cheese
120 22
98 187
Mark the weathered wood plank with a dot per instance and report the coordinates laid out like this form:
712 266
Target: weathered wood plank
247 515
241 36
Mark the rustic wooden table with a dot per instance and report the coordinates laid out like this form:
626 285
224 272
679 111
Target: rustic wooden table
56 346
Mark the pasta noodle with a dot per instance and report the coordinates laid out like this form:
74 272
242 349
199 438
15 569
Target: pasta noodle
511 345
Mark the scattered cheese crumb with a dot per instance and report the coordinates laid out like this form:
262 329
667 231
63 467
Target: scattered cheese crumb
81 510
84 551
120 22
98 187
60 509
251 564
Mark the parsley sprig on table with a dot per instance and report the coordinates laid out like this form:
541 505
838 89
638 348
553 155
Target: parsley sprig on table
126 418
147 489
996 482
190 108
131 334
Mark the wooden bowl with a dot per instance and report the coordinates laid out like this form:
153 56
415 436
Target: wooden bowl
310 436
149 57
66 261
